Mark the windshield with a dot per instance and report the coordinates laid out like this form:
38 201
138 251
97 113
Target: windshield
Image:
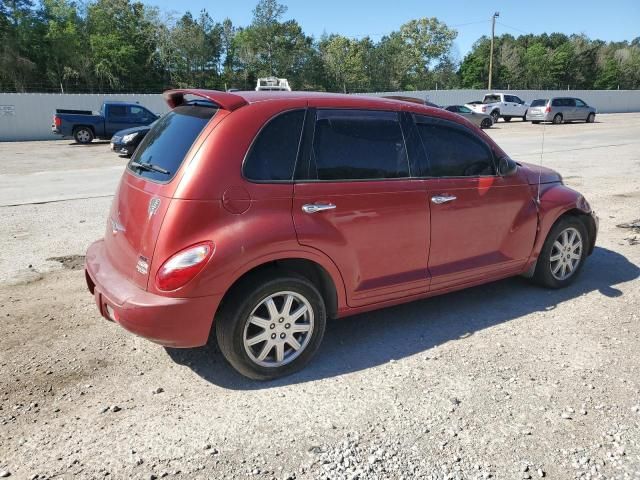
169 140
541 102
491 99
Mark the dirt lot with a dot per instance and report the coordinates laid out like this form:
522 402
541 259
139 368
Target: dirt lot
503 381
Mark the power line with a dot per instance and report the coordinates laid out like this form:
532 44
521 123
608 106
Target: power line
513 28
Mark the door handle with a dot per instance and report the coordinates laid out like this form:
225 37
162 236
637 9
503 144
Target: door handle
317 207
440 199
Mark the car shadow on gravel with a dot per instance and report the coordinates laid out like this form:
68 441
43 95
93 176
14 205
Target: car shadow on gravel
367 340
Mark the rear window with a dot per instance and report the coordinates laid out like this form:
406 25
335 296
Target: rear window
491 99
541 102
169 140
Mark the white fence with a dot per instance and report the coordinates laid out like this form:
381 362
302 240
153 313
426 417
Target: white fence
606 101
27 116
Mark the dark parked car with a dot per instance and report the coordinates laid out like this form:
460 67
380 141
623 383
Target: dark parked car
258 215
84 125
126 141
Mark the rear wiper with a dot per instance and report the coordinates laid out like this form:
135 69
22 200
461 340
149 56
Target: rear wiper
150 167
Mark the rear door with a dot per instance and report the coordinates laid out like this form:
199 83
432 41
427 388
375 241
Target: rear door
354 200
482 224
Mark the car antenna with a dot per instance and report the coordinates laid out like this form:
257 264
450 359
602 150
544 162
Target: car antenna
540 170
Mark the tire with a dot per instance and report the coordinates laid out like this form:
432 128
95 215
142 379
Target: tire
495 116
486 123
235 328
535 122
557 119
83 135
507 119
545 273
591 118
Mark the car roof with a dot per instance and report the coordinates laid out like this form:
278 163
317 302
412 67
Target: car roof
233 101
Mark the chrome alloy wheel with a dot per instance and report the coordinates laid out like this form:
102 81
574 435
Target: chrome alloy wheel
566 254
278 329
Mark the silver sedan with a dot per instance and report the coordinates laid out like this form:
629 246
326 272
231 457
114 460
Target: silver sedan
482 120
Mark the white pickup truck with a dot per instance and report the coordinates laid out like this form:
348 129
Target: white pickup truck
500 105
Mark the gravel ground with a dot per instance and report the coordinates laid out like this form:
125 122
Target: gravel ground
504 381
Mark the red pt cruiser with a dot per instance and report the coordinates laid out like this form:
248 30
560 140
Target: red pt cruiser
261 214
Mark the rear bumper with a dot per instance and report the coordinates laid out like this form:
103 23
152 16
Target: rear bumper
539 116
169 321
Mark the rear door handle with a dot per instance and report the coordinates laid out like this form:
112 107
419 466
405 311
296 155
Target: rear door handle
440 199
317 207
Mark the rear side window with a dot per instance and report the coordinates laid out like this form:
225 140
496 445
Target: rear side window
558 102
539 103
358 145
452 151
118 110
169 140
275 149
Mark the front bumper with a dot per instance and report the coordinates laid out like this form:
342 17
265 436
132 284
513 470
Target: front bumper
119 148
169 321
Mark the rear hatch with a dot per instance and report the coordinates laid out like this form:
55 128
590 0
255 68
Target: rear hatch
145 190
538 106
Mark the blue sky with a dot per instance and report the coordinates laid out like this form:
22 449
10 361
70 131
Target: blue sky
607 20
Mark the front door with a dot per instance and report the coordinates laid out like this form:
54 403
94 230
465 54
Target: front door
354 200
482 225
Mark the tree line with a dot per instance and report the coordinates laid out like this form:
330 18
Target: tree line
124 45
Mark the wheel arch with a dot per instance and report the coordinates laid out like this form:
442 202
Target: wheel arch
330 287
78 127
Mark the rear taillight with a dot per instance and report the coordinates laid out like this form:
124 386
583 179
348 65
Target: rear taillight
57 121
547 109
179 269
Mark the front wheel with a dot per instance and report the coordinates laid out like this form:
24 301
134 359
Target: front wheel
591 118
271 327
486 123
563 254
83 135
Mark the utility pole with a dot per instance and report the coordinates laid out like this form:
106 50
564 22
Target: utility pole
493 32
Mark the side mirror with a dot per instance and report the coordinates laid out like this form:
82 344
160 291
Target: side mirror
507 167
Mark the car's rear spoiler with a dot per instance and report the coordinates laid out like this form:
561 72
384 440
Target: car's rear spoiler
224 100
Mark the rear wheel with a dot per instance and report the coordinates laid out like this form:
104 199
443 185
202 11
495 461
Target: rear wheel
83 135
507 119
486 123
557 119
562 254
591 118
495 116
271 327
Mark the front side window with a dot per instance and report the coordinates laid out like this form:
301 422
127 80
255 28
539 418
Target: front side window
275 149
517 100
580 103
463 109
452 151
163 149
358 145
570 102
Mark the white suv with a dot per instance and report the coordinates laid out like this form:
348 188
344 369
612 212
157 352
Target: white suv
501 105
